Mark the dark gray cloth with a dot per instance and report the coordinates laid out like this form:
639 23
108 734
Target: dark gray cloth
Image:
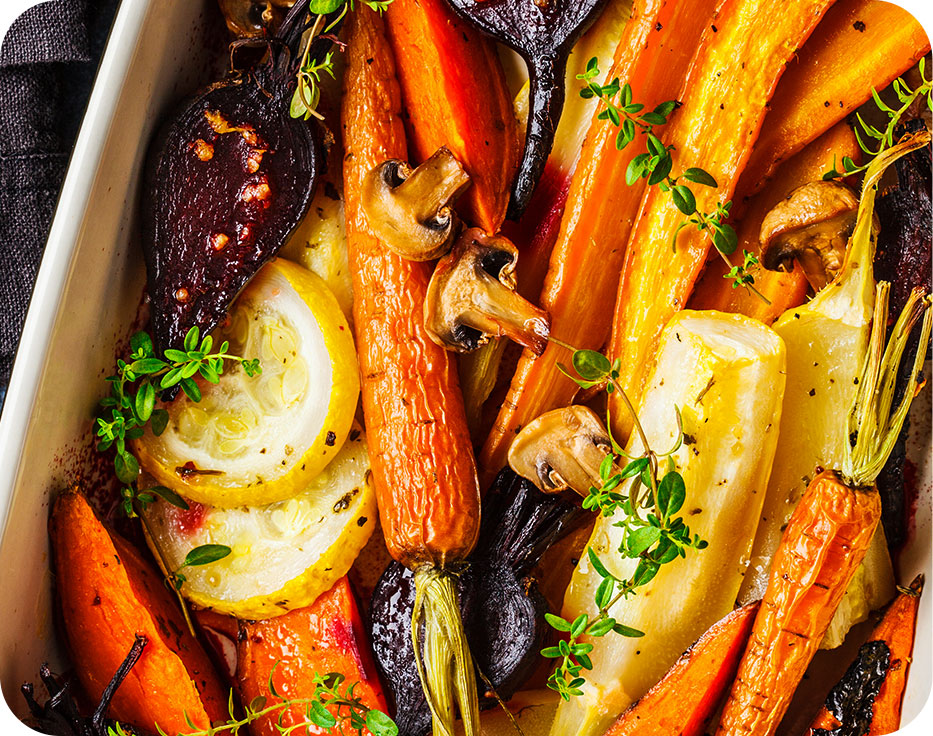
47 64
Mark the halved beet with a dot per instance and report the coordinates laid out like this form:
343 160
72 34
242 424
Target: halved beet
542 33
228 178
502 608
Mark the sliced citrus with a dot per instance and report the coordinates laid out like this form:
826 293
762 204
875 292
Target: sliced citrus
282 556
257 440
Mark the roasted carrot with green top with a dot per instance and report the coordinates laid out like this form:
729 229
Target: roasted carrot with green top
419 447
683 702
859 45
828 533
732 76
652 56
455 95
783 290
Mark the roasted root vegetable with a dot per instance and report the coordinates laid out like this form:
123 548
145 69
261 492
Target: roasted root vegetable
731 79
419 446
726 374
782 290
109 595
860 45
290 653
652 56
684 701
502 609
827 339
282 556
542 34
867 699
829 531
455 95
228 178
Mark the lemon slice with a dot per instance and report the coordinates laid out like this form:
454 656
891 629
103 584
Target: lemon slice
257 440
284 555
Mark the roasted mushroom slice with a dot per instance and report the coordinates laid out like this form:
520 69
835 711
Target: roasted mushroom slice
812 225
247 18
562 449
471 297
409 211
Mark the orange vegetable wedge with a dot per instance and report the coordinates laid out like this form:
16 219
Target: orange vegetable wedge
784 290
652 56
326 637
108 595
860 44
732 76
455 95
683 702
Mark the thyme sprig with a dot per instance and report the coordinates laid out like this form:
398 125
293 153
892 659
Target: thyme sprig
884 139
307 94
649 499
332 705
130 408
656 163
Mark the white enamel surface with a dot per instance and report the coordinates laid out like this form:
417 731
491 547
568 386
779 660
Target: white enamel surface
87 293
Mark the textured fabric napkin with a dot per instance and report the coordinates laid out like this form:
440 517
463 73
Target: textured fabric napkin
47 64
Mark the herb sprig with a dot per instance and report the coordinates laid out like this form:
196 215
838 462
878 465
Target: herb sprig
332 705
884 138
656 164
652 532
131 406
310 72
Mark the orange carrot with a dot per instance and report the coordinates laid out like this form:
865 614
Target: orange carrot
422 462
652 57
288 651
822 547
859 45
783 290
108 595
455 95
897 629
732 77
683 702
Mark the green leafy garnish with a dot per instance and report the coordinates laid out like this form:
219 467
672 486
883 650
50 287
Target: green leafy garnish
197 557
656 164
649 499
884 138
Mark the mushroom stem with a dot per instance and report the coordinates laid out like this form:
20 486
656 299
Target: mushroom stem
433 184
498 310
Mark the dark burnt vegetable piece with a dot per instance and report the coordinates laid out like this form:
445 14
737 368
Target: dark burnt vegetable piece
542 32
228 178
60 715
253 17
502 608
851 700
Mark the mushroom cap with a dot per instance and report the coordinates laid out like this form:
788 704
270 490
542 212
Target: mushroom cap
471 297
408 209
812 225
561 449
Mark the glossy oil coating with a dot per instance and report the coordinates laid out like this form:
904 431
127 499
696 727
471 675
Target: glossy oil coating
653 54
419 446
725 98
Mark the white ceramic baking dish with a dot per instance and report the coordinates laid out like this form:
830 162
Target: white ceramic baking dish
86 300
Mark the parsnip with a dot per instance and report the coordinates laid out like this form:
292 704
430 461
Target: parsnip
726 374
826 340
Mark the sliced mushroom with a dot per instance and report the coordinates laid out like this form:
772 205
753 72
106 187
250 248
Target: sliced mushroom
812 225
409 210
249 18
471 297
561 449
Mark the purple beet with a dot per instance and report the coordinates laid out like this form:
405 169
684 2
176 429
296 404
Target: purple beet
229 177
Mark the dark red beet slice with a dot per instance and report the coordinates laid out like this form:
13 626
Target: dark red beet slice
502 608
542 33
229 177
